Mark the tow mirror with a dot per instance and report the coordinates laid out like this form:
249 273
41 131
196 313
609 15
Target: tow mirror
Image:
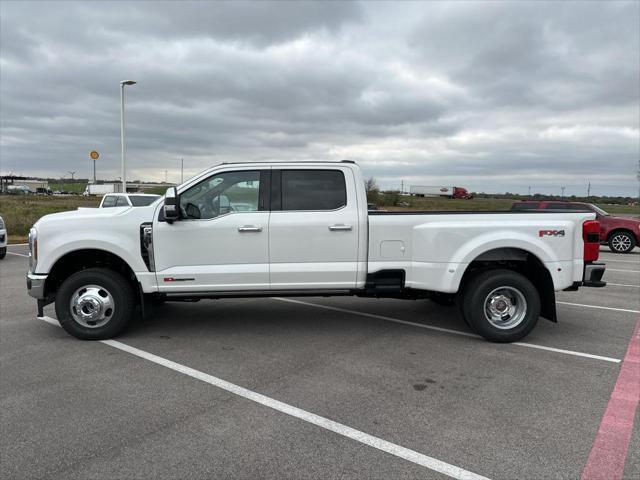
171 205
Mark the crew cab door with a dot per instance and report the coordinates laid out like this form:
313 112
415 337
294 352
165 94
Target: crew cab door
313 229
221 241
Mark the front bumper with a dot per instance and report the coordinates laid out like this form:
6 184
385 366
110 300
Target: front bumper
593 273
35 285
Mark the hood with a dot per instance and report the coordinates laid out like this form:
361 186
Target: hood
83 213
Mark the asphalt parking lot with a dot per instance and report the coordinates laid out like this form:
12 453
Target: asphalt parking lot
317 388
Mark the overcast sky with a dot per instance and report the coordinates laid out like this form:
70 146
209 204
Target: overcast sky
494 96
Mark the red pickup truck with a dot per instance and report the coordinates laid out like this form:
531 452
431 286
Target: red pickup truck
621 234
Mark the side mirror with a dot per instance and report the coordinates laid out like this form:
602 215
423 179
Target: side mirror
171 205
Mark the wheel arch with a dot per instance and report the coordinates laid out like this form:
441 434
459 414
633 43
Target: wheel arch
622 230
81 259
523 262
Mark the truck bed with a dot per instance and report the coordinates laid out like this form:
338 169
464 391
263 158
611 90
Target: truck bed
435 248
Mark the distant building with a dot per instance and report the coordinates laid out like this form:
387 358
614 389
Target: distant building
31 183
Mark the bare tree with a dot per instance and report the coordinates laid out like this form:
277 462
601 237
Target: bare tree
638 177
371 186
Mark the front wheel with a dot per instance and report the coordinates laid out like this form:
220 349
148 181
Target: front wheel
622 242
95 304
3 252
501 305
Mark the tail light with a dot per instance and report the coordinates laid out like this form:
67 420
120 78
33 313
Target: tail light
591 237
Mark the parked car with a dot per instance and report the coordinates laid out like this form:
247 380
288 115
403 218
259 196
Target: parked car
307 233
621 234
128 200
18 190
3 239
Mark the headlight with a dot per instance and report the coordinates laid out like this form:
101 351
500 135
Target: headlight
33 249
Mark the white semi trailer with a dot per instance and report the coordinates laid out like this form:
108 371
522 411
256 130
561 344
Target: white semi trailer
439 191
102 189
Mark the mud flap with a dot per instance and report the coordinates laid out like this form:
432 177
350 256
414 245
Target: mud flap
548 302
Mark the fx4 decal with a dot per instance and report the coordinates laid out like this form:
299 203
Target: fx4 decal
551 233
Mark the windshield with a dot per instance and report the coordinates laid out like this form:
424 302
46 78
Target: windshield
599 211
142 201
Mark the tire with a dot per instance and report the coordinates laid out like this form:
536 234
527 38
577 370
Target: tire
512 293
104 304
621 242
444 299
3 252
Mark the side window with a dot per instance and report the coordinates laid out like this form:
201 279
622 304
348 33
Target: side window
109 201
122 202
313 190
228 192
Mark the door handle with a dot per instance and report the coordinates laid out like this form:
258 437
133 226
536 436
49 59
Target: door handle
340 228
249 228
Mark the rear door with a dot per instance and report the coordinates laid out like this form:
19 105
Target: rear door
313 228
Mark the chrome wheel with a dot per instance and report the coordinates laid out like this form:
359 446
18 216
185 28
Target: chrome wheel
92 306
505 307
620 242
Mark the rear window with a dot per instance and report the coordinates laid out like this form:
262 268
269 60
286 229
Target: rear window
568 206
141 201
525 206
122 202
109 201
313 190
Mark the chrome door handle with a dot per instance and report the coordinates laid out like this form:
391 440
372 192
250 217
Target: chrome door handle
338 228
249 228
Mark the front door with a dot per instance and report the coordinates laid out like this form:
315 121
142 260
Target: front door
221 242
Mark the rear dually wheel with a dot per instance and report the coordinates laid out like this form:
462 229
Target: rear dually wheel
501 305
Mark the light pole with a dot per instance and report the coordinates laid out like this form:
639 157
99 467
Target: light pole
124 163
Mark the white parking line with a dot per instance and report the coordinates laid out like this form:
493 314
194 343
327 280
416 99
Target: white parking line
619 270
621 285
447 330
18 254
598 306
322 422
16 244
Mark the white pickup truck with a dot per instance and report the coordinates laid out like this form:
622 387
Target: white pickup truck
302 229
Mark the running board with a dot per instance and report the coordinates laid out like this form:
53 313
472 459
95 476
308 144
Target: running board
191 296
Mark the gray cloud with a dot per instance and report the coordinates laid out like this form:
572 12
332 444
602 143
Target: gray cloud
492 95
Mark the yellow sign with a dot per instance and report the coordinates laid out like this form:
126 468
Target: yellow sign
94 155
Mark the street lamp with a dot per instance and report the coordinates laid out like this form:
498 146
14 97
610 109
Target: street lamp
124 164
